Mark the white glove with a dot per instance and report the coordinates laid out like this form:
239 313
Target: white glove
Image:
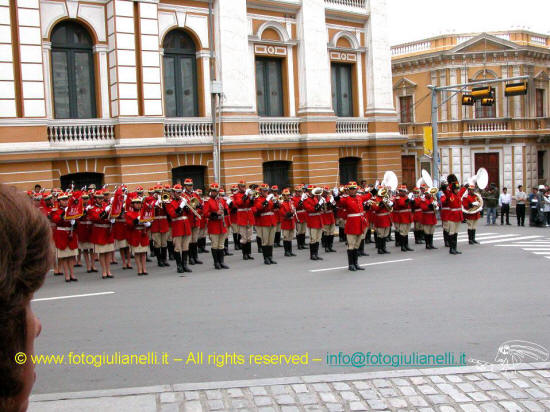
411 196
335 191
390 203
108 209
157 203
73 221
89 207
304 196
183 203
147 224
229 201
113 220
111 199
475 203
270 196
248 191
322 201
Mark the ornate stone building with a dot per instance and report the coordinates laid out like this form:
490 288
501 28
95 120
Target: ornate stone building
511 139
111 91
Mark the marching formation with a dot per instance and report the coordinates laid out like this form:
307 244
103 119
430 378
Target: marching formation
173 222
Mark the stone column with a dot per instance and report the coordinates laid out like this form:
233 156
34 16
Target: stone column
7 81
101 51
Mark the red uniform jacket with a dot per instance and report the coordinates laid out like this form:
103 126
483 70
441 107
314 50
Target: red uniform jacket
327 215
84 228
381 213
160 224
356 221
64 236
454 202
313 212
137 233
233 211
245 214
102 230
119 228
288 220
402 209
300 211
417 209
444 211
264 214
194 221
467 203
428 212
216 224
181 224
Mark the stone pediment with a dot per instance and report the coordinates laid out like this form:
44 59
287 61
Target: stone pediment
484 42
404 83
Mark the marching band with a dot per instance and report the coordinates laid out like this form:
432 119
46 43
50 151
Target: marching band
172 222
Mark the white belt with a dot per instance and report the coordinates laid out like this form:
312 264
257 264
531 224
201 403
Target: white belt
179 218
159 217
314 214
243 210
355 215
85 222
121 220
404 211
429 212
267 214
382 214
139 228
445 208
456 209
66 229
104 226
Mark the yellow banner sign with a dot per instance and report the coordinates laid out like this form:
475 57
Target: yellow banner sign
428 141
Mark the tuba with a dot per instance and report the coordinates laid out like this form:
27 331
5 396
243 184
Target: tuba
165 198
318 191
481 179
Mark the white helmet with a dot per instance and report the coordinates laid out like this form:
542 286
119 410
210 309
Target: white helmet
541 187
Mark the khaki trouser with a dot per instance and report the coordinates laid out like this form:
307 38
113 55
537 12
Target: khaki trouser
278 227
418 225
287 235
453 227
181 243
202 232
445 224
195 234
246 233
403 229
234 228
329 229
340 222
160 239
217 240
383 231
267 234
353 241
315 235
301 228
429 229
472 223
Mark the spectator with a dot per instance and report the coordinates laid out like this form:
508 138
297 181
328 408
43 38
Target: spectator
490 199
37 188
25 257
504 201
546 198
521 198
533 207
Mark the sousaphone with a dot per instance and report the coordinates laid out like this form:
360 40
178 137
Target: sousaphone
481 179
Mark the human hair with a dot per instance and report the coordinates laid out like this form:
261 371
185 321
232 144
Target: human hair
26 255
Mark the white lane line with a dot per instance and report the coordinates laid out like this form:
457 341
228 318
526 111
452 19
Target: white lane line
489 238
524 245
508 240
537 248
541 253
364 264
73 296
477 235
547 257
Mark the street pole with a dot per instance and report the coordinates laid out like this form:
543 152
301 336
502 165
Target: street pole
215 151
435 154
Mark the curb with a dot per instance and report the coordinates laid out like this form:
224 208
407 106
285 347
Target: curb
179 387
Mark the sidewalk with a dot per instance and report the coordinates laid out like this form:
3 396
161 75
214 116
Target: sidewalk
517 387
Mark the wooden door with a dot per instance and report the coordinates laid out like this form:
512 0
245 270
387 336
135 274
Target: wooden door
409 171
490 162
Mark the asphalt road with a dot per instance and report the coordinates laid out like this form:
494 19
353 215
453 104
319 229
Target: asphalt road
432 303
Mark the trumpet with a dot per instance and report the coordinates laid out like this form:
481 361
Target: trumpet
254 194
165 198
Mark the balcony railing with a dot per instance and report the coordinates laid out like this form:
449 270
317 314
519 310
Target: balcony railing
411 48
352 126
83 131
279 126
486 125
187 128
348 3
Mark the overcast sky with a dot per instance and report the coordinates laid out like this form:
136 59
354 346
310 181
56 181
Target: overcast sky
411 20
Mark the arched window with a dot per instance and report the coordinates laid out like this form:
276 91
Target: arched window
180 75
73 72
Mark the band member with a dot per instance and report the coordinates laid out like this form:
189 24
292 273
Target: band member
453 198
138 239
201 243
313 204
84 231
65 238
341 216
301 213
416 206
227 218
287 214
382 208
121 243
329 222
429 207
245 217
194 221
356 223
178 211
265 224
403 218
443 213
160 228
102 233
277 241
471 201
233 217
107 201
215 209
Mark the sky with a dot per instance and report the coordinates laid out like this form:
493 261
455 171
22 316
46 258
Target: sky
411 20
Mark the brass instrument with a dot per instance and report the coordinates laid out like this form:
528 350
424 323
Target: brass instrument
318 191
192 204
432 192
385 195
221 209
254 194
165 198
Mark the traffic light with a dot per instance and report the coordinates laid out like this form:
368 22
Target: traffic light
481 92
467 100
515 89
488 101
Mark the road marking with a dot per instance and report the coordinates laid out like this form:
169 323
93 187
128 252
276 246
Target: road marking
537 248
364 264
489 238
508 240
73 296
524 245
541 253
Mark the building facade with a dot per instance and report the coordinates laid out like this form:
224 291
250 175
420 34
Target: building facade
119 91
510 139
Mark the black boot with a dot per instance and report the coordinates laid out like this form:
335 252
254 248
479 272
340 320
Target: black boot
474 237
379 245
367 238
215 257
285 246
356 260
406 241
191 254
324 241
431 239
202 245
164 253
193 249
303 241
266 255
428 245
170 246
397 239
446 238
236 244
221 254
455 243
317 252
159 257
402 242
312 251
184 257
361 250
390 239
179 264
470 241
277 241
226 248
152 249
249 250
330 242
384 246
289 247
341 234
270 255
416 242
259 243
244 250
351 260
